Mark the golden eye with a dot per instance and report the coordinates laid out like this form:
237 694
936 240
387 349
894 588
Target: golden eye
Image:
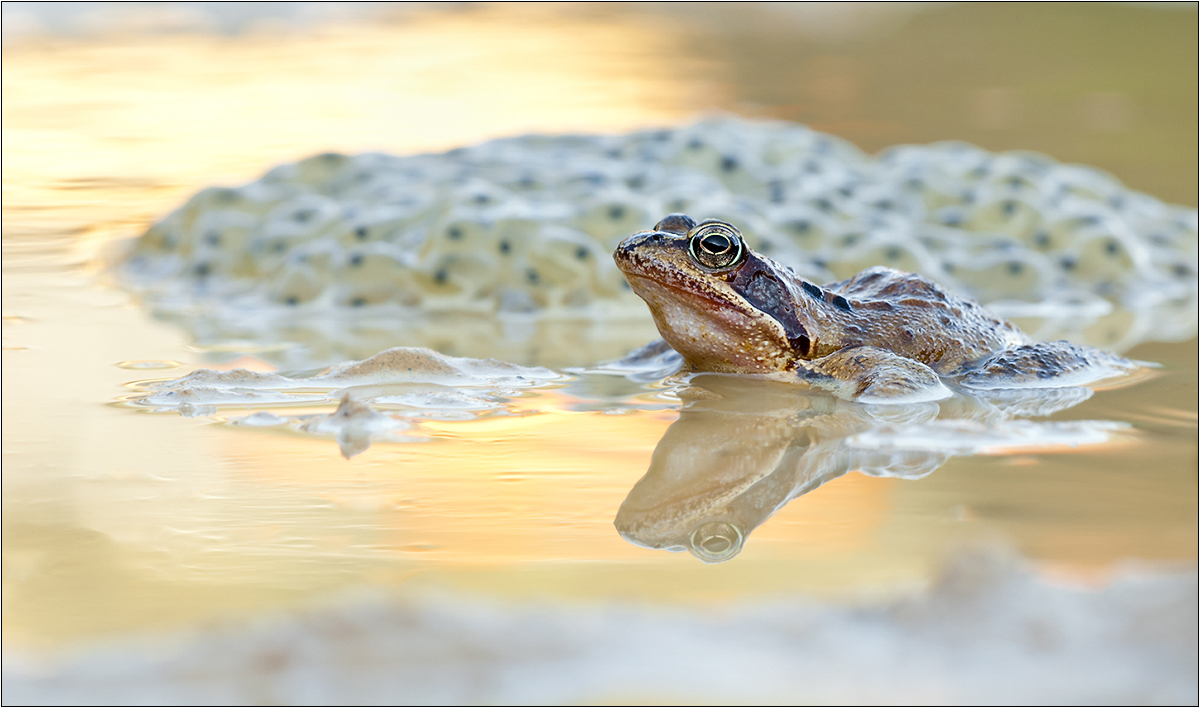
716 245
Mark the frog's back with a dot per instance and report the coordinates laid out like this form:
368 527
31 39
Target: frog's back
916 318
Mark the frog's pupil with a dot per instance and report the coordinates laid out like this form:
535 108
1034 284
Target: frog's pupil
715 243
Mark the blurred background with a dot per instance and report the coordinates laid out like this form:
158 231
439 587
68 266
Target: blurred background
486 558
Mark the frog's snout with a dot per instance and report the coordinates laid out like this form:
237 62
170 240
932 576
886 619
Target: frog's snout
639 243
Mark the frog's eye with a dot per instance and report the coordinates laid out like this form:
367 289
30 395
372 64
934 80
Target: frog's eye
716 246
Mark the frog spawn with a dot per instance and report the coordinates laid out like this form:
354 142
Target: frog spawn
525 225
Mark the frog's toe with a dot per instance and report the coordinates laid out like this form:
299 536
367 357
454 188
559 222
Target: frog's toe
873 375
901 385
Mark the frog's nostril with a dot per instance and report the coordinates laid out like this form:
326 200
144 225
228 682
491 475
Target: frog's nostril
626 248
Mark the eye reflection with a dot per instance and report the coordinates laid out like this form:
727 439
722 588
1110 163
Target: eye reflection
716 541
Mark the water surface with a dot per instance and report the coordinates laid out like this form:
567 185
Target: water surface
119 519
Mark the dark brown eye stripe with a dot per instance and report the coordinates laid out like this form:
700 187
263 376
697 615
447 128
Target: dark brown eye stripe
762 289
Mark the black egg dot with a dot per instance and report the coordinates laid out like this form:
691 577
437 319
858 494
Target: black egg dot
212 238
304 215
695 144
202 269
1009 207
778 193
885 205
292 300
948 267
728 164
850 239
581 253
278 246
892 253
1111 248
846 191
1042 239
481 199
636 182
812 167
441 276
358 302
800 227
454 233
526 182
824 205
532 276
616 212
1181 270
613 153
356 260
504 246
361 233
1015 267
1067 263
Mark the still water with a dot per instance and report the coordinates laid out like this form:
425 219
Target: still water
122 518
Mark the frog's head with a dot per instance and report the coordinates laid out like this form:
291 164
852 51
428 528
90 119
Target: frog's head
716 302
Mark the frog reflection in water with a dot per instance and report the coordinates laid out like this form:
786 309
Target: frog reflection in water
744 447
881 336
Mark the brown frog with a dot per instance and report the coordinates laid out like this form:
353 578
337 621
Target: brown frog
881 336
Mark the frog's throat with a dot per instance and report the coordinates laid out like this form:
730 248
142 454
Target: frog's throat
714 334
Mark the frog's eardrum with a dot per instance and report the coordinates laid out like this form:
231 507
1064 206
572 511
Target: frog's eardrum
526 225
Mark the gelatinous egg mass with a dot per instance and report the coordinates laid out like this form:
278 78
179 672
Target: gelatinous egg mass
525 225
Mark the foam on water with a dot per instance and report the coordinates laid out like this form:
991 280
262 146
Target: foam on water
409 385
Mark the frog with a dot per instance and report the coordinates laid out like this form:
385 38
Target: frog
881 336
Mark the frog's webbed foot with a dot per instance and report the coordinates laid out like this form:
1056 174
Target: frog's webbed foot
1045 364
873 375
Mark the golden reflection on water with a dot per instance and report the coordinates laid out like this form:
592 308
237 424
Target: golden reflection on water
115 520
132 125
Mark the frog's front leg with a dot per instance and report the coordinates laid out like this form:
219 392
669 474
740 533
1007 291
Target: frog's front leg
873 375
